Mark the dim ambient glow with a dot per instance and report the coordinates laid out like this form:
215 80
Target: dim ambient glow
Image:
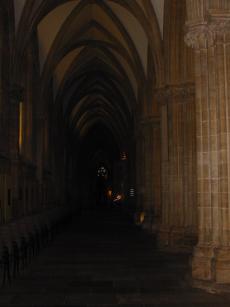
123 156
139 218
20 136
142 217
109 194
118 198
102 172
132 192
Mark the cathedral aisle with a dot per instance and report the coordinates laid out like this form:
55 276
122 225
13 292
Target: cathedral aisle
104 260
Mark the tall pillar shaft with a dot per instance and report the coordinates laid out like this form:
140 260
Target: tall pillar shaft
211 42
151 171
179 214
4 76
148 177
15 98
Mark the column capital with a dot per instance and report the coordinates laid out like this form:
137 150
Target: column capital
216 28
199 36
170 93
150 121
180 91
161 95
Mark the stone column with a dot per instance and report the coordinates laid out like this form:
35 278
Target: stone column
1 76
15 94
178 228
139 170
40 119
4 75
211 43
151 171
28 101
156 175
147 173
163 235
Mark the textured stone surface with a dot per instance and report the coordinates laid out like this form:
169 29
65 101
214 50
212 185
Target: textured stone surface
212 134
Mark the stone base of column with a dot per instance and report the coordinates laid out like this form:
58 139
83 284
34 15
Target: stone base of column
203 263
148 222
222 266
177 235
177 238
211 269
183 238
163 237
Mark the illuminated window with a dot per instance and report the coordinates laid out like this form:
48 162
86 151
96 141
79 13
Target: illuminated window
20 135
102 172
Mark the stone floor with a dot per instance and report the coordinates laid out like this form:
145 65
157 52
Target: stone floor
104 260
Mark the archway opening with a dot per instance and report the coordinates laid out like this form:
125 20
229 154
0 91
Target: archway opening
96 177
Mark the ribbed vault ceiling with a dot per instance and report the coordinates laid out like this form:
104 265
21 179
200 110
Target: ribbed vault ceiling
96 53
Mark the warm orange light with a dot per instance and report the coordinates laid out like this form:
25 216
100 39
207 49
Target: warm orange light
20 136
142 217
109 193
139 218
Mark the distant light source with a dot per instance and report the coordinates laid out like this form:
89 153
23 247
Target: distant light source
142 217
109 193
123 156
139 218
118 197
102 172
131 192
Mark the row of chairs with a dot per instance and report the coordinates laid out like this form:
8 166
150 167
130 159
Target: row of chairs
21 240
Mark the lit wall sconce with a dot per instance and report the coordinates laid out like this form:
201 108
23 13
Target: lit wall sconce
139 218
109 193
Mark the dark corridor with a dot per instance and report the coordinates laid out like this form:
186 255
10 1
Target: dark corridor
100 171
